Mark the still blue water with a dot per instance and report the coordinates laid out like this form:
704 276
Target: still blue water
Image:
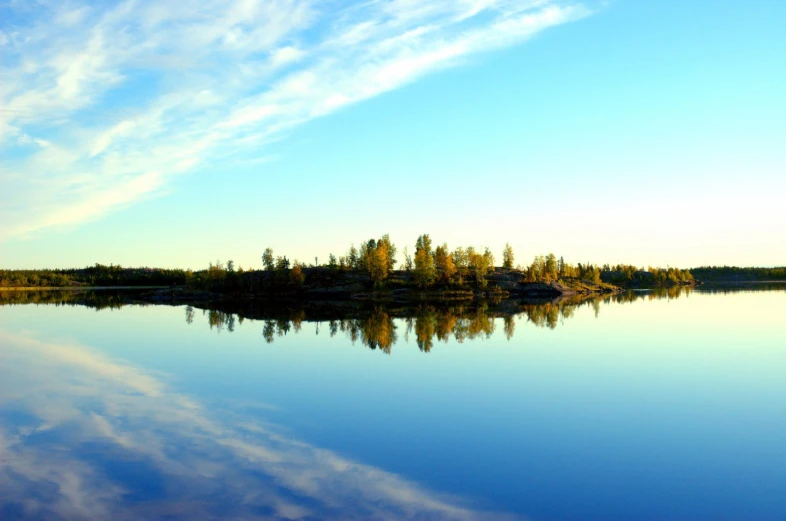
658 409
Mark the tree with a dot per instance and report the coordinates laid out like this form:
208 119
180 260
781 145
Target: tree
407 260
230 266
550 267
281 270
489 258
461 262
480 264
590 273
537 270
390 248
444 262
268 260
296 275
332 263
425 271
352 258
282 263
507 257
378 263
423 243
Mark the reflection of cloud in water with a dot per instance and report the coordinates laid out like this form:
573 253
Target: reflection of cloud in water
86 437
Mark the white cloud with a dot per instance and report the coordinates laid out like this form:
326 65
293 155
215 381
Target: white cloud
127 95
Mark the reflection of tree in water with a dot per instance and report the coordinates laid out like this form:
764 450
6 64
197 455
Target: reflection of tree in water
674 292
509 326
221 320
474 325
551 314
378 331
377 327
670 293
743 287
545 315
460 323
98 300
297 320
273 328
425 329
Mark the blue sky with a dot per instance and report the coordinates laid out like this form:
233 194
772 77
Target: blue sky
175 133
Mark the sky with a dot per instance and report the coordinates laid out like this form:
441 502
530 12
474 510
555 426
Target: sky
175 133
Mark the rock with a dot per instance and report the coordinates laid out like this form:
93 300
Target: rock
337 290
508 285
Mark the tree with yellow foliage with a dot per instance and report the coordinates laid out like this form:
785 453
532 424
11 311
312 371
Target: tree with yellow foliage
444 262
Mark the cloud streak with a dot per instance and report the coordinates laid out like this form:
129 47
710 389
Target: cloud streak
102 104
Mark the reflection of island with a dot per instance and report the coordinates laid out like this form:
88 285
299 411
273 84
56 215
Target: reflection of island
380 327
377 326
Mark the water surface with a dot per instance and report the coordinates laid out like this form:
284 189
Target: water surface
661 407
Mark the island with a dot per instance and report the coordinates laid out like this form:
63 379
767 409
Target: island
369 272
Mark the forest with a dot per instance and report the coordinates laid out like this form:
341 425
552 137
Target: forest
736 274
98 275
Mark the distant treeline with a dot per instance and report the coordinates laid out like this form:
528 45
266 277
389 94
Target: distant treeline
97 275
373 264
735 274
626 274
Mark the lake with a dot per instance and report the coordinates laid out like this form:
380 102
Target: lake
644 406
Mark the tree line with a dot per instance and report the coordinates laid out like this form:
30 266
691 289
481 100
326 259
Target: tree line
734 273
98 275
429 265
440 266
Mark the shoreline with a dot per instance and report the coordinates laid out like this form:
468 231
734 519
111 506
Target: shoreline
76 288
181 295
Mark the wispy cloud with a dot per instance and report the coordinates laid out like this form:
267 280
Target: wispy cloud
102 103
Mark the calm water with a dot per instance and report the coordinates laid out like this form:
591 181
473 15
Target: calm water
647 409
